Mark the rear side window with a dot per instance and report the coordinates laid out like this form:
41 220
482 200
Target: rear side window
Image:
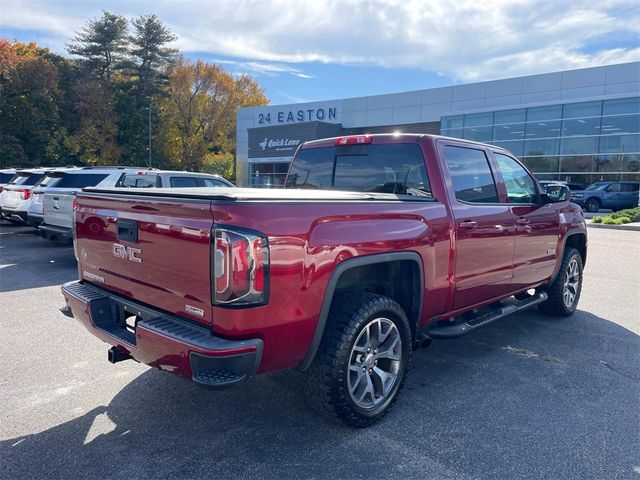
5 177
471 175
390 168
183 182
210 182
27 179
79 180
630 187
49 180
144 180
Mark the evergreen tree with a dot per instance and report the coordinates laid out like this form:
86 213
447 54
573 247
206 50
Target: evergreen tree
102 44
137 97
150 52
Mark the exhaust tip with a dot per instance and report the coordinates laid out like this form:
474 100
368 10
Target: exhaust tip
115 355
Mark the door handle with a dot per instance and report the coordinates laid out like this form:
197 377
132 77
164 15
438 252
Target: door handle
522 221
468 224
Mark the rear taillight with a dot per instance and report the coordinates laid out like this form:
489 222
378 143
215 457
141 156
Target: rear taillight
354 140
74 204
240 270
25 194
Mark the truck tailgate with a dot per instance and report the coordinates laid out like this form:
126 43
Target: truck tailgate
154 250
58 208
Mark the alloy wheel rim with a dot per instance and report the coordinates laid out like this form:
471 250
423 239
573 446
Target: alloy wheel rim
374 363
571 282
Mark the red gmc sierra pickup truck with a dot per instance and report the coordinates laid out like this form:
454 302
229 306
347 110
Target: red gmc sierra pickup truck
376 245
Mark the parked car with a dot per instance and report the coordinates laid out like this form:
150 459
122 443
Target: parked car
16 195
613 195
58 201
6 174
572 186
55 181
376 245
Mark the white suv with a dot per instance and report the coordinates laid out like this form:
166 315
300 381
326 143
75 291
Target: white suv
6 174
16 195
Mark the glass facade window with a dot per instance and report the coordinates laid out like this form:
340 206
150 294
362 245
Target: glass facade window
267 175
581 142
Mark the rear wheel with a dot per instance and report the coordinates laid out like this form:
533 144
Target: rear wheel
564 292
592 205
363 359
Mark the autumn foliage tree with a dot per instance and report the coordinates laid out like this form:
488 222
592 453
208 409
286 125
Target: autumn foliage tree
199 112
122 84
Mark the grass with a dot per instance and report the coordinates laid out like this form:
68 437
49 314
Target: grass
620 218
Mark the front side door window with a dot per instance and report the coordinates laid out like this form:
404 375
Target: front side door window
521 188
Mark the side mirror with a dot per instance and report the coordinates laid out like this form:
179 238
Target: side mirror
558 193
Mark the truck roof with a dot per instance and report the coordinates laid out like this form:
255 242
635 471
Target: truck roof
382 138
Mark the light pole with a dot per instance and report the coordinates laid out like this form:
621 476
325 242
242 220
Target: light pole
149 108
149 135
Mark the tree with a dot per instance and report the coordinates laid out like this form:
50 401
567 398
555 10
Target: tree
199 112
150 50
102 43
137 95
220 164
96 136
29 97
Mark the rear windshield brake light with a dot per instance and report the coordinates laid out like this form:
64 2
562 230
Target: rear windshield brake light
354 140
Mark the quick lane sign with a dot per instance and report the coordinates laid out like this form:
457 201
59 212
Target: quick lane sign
279 144
294 116
282 140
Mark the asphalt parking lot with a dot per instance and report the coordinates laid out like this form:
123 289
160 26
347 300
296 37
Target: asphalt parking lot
525 397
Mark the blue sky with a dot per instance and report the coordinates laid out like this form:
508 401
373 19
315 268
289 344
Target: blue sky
313 50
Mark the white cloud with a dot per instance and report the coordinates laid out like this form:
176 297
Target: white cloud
467 40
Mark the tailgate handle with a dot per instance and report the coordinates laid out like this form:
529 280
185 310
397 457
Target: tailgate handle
127 230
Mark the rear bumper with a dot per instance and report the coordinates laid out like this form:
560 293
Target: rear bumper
162 340
55 232
34 219
14 214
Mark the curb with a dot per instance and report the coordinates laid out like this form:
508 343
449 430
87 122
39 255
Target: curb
634 227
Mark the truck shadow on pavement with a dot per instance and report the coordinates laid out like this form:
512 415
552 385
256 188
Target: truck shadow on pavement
526 397
30 261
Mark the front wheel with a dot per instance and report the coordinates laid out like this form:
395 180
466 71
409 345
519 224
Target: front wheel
592 205
363 359
564 292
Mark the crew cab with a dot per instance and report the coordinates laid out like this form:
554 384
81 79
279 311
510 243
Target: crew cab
376 245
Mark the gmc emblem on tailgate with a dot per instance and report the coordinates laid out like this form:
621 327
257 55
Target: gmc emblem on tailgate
128 253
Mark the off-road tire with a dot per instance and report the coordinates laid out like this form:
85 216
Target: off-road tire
326 380
555 304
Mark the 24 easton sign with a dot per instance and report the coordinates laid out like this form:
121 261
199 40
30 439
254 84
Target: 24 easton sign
294 116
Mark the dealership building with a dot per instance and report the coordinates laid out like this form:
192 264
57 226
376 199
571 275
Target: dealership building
577 125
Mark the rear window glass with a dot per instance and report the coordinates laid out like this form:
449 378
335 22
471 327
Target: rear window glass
5 177
390 168
211 182
27 179
144 180
183 182
49 180
78 180
471 175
